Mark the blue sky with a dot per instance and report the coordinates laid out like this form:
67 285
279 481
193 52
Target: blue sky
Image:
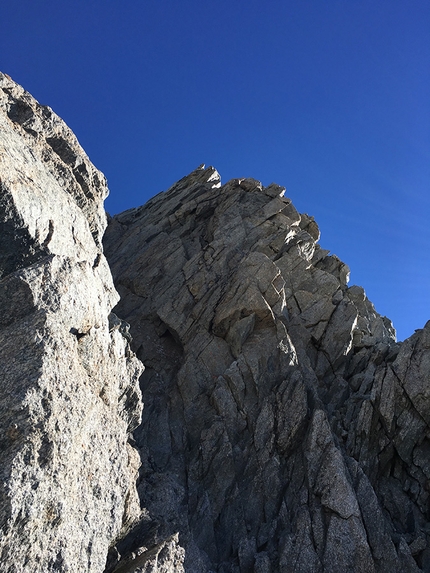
330 98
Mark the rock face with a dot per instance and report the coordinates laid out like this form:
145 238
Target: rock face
284 429
69 394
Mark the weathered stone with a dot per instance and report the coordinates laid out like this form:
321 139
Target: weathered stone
69 396
284 429
300 429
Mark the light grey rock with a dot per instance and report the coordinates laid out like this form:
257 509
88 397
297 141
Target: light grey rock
69 396
284 428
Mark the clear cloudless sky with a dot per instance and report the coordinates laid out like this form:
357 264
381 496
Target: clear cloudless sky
330 98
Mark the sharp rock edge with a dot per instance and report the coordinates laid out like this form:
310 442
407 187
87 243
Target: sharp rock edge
284 428
69 393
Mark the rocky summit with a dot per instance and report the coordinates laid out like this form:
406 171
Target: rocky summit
284 429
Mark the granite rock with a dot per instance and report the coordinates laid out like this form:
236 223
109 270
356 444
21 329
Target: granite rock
284 428
70 396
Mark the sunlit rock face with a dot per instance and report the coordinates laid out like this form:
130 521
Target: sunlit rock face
69 393
284 428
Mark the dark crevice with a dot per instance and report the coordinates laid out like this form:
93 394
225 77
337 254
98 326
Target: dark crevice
62 149
76 333
20 112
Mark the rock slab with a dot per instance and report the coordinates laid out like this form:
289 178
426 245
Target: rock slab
69 396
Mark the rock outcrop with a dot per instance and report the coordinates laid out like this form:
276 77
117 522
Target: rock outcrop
69 393
284 428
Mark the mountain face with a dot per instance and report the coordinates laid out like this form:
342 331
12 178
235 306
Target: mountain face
69 393
284 429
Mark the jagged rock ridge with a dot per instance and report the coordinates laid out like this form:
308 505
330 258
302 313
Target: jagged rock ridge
284 428
69 395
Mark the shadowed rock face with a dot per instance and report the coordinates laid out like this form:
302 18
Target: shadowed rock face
69 392
284 428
